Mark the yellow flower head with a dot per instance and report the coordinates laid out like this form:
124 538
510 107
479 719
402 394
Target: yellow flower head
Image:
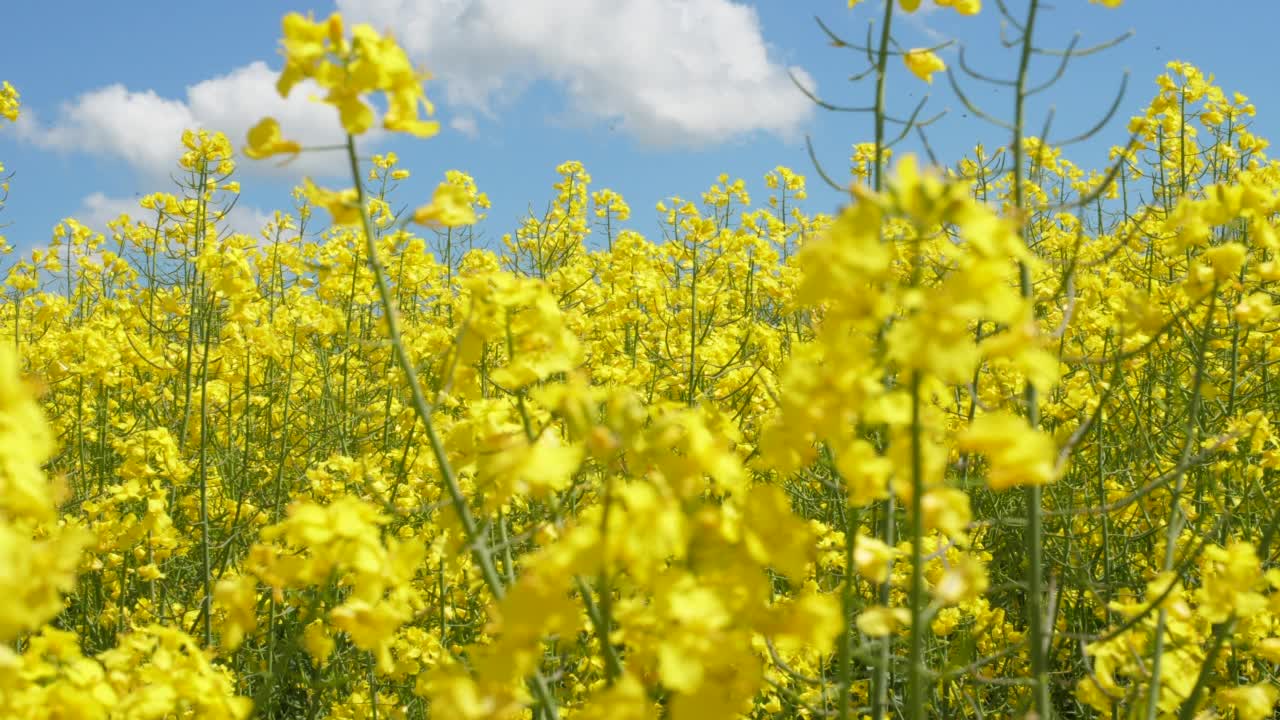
964 7
265 140
8 102
450 206
340 203
923 63
1018 453
351 69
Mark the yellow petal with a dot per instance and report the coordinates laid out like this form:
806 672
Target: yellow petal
265 140
923 63
449 207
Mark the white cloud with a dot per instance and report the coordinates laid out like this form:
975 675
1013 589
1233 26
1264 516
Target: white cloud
671 72
465 124
97 209
141 127
145 129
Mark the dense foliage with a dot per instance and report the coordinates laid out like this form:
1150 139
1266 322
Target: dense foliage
995 440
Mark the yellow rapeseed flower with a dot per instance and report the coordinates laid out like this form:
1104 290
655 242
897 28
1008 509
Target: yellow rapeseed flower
265 140
450 206
8 102
923 63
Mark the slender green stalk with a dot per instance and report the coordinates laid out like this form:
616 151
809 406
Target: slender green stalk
693 316
206 567
844 657
1032 495
1175 521
880 679
916 670
479 552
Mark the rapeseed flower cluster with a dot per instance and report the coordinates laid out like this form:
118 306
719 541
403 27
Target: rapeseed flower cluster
971 439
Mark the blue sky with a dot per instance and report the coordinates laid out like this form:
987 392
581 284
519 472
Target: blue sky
655 97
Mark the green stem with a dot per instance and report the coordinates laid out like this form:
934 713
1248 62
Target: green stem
916 663
479 551
880 679
1034 535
